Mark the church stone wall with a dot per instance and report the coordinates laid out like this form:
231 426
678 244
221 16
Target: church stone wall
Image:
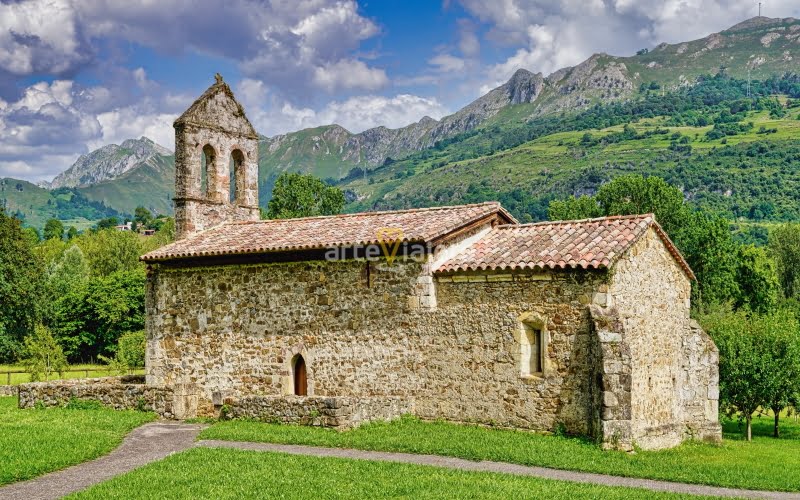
232 331
651 295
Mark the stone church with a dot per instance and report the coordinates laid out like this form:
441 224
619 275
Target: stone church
456 312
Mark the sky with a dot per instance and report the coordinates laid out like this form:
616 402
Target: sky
79 74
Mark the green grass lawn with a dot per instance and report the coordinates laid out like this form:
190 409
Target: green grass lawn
33 442
220 473
761 464
78 371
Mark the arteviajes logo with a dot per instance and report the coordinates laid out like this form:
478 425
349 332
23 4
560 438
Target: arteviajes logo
390 239
391 245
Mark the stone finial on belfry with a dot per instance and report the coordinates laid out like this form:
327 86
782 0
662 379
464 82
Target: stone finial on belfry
218 77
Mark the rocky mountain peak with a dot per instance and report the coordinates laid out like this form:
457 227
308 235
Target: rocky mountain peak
109 162
524 86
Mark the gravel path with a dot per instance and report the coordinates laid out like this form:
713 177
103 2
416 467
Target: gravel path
501 467
143 445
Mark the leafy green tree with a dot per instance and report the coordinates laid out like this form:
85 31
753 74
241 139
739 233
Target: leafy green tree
635 194
708 246
90 318
21 285
70 272
299 195
572 208
72 233
53 230
109 251
43 355
784 244
143 217
758 361
756 279
107 223
783 345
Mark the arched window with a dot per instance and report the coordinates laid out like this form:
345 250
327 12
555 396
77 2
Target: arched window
237 176
299 376
531 350
207 165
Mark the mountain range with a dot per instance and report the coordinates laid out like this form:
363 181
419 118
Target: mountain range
140 172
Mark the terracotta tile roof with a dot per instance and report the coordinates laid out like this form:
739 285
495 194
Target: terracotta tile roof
417 225
584 244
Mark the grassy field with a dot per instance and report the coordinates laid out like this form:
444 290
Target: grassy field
218 473
761 464
75 371
33 442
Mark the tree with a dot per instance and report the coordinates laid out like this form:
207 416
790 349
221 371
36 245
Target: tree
584 207
107 223
69 272
21 284
708 246
298 195
758 361
43 355
635 194
72 233
756 279
53 230
109 251
784 244
90 318
143 217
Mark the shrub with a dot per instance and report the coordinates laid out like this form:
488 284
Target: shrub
130 352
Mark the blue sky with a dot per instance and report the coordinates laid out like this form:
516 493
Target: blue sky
79 74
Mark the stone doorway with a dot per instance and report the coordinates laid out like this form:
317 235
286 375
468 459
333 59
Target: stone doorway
300 376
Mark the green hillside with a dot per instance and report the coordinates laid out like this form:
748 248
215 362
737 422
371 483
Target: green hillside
737 155
35 205
151 185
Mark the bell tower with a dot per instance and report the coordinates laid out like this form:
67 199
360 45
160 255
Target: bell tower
216 163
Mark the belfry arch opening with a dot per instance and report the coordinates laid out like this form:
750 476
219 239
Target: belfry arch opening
236 175
299 376
207 166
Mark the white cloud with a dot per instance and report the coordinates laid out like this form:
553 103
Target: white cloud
550 35
40 36
447 63
349 74
290 45
272 116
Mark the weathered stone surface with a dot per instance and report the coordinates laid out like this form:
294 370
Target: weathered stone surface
336 411
110 391
8 390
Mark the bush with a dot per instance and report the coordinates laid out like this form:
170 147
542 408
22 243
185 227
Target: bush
130 352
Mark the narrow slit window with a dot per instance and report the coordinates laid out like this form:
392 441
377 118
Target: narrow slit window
207 165
236 175
531 350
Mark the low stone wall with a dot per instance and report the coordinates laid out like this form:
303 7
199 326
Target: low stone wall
120 393
336 412
8 390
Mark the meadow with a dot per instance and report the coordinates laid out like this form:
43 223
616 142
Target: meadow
34 442
760 464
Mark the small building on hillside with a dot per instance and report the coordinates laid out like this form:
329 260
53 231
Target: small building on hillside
456 312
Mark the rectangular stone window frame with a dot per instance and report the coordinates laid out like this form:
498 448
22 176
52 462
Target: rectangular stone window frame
532 340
